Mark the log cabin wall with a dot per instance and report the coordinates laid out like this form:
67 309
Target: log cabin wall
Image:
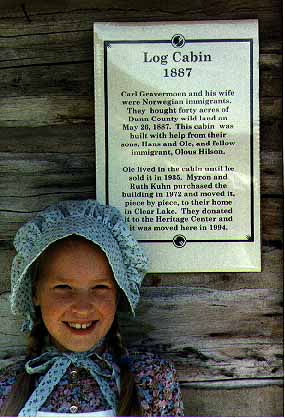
222 330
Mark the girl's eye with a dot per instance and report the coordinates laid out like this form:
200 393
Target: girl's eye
100 286
62 286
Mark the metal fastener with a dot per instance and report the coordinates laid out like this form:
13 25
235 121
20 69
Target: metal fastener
73 374
73 409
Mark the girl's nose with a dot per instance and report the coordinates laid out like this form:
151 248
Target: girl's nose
82 304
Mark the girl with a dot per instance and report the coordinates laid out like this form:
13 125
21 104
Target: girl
76 265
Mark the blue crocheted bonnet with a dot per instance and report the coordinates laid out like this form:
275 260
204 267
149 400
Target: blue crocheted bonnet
101 224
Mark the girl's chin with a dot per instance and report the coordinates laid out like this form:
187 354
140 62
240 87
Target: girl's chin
77 340
75 347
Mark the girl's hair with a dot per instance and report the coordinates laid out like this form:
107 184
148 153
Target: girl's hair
24 386
128 399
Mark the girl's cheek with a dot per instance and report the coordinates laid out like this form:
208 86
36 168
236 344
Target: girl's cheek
104 303
62 299
55 304
106 298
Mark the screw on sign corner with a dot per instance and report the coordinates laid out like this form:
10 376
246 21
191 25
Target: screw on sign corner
179 241
178 41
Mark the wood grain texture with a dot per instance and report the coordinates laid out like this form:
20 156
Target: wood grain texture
249 402
222 330
239 339
79 138
74 15
76 78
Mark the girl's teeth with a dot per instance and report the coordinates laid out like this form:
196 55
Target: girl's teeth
80 326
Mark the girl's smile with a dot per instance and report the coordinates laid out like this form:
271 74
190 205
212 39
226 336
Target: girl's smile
81 329
76 293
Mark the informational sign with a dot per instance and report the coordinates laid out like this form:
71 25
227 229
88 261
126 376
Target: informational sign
177 139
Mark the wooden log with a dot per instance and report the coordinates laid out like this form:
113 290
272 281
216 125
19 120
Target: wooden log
270 277
212 333
45 111
270 74
52 164
270 171
68 79
59 110
270 133
238 402
53 47
13 342
272 219
76 78
234 384
68 16
43 178
67 139
79 137
7 252
16 210
230 335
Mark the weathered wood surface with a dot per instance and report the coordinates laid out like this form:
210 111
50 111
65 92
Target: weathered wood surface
222 330
17 209
74 15
247 402
239 339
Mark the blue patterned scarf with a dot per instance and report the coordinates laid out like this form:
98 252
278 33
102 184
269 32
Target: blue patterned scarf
55 363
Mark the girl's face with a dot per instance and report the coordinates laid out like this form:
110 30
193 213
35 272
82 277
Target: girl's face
76 293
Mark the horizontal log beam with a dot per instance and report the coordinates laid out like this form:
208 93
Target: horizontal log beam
79 138
230 334
40 17
234 384
247 401
16 210
60 110
71 139
23 77
58 164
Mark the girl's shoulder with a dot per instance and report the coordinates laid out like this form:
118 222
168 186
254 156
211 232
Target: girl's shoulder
146 362
157 384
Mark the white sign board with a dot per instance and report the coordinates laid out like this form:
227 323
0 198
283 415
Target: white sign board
177 139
